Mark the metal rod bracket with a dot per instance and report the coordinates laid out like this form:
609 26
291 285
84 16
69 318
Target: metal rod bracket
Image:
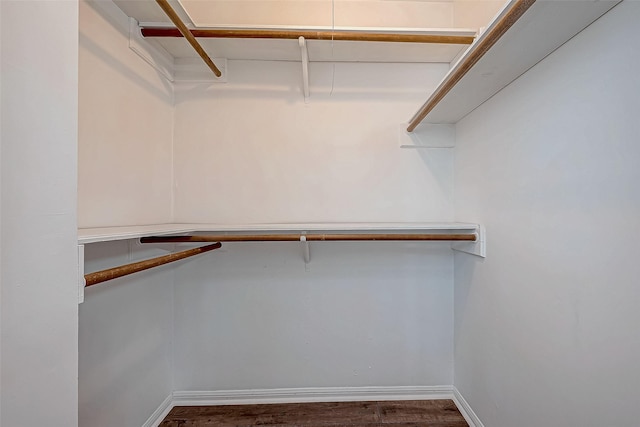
306 250
305 67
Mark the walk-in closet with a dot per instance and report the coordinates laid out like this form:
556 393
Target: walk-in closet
230 202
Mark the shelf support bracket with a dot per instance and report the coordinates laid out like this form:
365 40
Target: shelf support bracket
306 250
153 55
430 136
477 248
305 67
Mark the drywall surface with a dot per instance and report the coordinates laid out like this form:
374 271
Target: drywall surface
125 126
252 316
325 13
475 14
0 220
252 151
125 367
546 326
38 240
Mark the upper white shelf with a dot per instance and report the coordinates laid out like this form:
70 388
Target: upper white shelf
544 27
106 234
325 50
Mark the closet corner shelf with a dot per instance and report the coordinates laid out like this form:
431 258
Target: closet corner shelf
497 58
463 237
106 234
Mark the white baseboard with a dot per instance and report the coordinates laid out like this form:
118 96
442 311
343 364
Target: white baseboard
465 409
320 394
316 394
159 414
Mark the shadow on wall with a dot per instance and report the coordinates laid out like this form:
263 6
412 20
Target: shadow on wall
464 269
165 95
339 82
119 22
359 314
437 152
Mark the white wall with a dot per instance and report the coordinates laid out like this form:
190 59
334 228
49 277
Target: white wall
126 325
125 172
546 327
250 316
125 126
252 151
1 218
39 86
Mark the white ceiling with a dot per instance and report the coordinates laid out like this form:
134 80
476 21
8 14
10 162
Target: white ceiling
309 13
148 11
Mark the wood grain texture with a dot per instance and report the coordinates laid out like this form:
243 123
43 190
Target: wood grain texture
312 35
182 28
475 54
422 413
310 238
125 270
431 411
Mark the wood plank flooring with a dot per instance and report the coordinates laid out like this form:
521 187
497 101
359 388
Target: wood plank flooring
405 413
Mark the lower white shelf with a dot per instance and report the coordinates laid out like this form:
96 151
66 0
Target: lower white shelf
304 232
106 234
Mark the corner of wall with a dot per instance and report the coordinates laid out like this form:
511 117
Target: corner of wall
160 413
465 409
126 156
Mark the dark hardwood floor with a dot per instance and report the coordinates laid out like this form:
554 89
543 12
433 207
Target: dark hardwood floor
405 413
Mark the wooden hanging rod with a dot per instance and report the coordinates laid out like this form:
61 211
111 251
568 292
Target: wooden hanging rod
476 52
309 238
184 31
124 270
310 35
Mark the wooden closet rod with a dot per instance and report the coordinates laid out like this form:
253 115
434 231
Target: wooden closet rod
310 35
124 270
182 29
309 238
475 54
